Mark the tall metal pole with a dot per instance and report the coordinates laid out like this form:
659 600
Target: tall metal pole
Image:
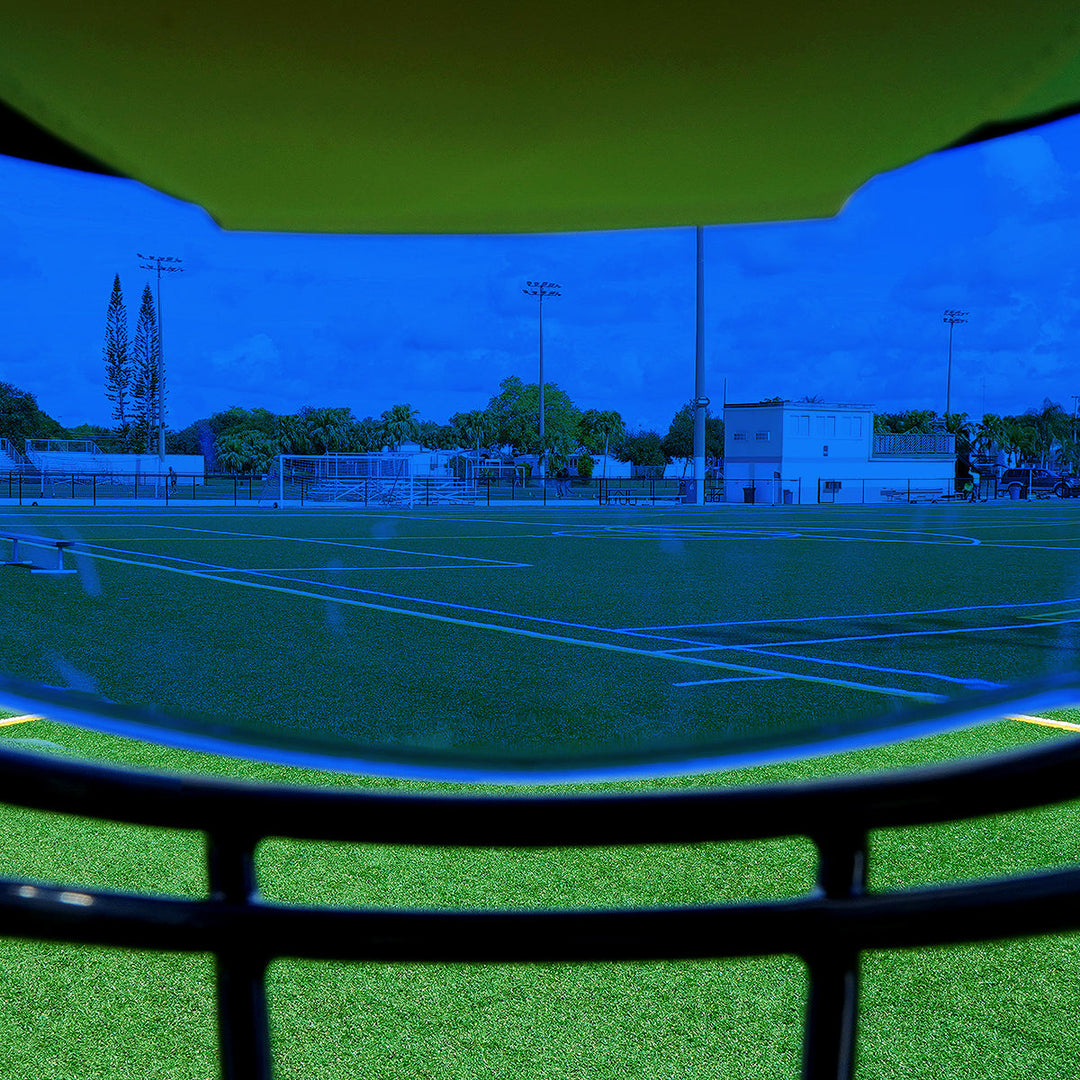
540 289
701 402
952 318
157 260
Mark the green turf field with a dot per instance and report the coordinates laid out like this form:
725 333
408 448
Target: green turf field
503 640
1003 1010
561 632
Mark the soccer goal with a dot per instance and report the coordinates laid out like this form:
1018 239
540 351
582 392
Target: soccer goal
386 479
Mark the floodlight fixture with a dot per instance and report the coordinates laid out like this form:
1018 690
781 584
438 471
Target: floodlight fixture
952 316
154 262
542 289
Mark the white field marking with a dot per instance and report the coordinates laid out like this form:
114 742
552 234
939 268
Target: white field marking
1030 547
769 650
278 575
1032 523
661 536
887 691
714 682
489 564
1044 720
1051 614
855 616
310 540
340 569
907 534
752 647
341 543
957 541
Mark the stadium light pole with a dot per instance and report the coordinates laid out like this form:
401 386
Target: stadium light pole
701 402
952 318
158 261
540 289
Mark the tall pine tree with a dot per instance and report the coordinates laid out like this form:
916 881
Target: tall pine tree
118 363
147 372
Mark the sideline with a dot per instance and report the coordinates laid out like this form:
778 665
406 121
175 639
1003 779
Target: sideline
20 719
1043 720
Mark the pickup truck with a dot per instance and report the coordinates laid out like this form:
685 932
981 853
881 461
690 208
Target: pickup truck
1039 483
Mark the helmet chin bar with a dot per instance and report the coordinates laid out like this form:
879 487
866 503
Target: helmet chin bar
829 927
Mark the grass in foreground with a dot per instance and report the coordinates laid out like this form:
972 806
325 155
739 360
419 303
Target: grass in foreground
1004 1009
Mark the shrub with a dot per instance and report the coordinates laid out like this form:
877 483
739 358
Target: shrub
585 467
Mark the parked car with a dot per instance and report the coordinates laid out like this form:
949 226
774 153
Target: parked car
1039 483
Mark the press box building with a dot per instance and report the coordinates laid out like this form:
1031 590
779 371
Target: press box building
796 452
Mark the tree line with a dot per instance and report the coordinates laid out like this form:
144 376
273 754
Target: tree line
1045 437
242 440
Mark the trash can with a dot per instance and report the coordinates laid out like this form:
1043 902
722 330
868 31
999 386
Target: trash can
686 491
1016 490
748 495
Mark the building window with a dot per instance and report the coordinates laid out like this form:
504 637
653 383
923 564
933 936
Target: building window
739 436
824 451
761 436
804 425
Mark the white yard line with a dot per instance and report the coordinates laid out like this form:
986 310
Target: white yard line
853 616
888 691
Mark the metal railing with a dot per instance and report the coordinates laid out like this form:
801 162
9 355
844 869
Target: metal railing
23 486
829 927
913 445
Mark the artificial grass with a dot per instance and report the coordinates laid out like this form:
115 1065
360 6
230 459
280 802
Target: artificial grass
1002 1009
347 626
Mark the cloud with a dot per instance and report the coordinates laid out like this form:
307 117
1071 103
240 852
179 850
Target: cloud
1026 165
255 358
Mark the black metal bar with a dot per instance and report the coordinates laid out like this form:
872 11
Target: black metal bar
1042 775
833 964
234 491
243 1020
1041 902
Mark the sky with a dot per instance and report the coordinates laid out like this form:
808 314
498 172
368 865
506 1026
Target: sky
847 308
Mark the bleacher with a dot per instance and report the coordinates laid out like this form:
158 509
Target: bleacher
67 457
11 460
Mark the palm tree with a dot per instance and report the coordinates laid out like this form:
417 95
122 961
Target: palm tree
476 428
291 435
327 429
1052 426
399 423
365 436
1019 439
606 424
250 450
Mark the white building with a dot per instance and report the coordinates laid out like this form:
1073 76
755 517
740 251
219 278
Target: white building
798 452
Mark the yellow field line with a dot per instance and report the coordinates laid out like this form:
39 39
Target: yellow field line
20 719
1042 720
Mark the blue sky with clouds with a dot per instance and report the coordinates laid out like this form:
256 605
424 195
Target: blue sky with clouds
849 308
